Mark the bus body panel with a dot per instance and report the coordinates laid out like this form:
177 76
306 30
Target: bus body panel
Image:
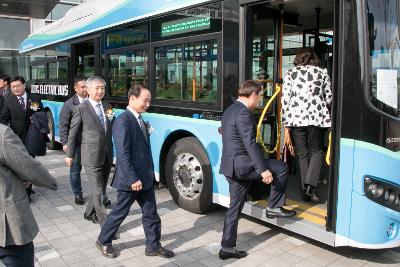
360 221
374 161
55 108
345 182
372 224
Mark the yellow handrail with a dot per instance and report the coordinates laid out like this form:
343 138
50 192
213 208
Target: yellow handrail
328 153
259 134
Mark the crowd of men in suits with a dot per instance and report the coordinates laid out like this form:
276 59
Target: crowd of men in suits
88 130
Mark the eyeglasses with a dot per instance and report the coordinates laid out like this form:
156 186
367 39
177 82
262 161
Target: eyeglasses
17 85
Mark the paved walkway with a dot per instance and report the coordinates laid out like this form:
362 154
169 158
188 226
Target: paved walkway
66 239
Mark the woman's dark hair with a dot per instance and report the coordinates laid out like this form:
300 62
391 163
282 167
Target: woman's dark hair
249 87
306 56
136 90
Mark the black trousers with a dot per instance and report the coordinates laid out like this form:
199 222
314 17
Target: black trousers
309 143
238 191
18 256
150 219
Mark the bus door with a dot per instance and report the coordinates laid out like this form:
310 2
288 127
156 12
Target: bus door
262 62
274 31
86 60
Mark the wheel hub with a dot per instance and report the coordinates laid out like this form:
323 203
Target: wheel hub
188 175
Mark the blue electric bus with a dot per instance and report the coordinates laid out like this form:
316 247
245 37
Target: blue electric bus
192 54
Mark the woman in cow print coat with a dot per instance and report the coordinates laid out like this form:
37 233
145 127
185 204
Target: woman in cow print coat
306 100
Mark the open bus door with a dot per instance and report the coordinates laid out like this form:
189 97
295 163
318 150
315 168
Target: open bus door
273 33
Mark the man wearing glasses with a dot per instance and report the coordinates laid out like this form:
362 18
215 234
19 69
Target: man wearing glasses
18 109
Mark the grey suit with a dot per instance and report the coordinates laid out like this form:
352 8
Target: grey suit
96 152
17 224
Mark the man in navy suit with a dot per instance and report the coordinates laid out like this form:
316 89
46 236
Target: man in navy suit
134 177
242 163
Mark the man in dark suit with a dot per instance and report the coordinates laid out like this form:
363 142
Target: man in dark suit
18 227
242 163
4 89
92 120
134 177
17 111
65 122
19 107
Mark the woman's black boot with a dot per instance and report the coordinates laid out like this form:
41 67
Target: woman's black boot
307 193
314 197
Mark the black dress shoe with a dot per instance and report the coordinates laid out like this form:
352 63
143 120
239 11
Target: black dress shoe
106 250
162 252
281 213
106 203
93 218
78 200
224 255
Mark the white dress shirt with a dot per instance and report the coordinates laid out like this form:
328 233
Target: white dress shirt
81 99
135 114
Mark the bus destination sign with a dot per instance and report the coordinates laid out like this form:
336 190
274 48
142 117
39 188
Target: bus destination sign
185 25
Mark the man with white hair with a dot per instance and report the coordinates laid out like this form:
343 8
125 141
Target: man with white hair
94 119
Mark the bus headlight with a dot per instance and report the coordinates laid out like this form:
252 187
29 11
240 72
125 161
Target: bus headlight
381 192
376 190
397 201
390 196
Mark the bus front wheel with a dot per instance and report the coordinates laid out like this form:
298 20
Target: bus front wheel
188 175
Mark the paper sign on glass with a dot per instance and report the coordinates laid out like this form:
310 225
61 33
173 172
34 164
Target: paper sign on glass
387 91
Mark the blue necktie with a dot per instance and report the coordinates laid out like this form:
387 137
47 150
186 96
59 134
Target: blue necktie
100 115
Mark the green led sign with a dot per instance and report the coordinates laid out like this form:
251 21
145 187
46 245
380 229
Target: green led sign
185 25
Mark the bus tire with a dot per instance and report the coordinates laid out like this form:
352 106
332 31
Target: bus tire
188 175
51 145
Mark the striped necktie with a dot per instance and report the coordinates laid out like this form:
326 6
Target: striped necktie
100 115
143 127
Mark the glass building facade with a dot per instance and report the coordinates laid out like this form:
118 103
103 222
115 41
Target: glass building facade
14 29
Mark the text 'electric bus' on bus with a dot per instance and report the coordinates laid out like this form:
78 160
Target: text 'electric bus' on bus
193 54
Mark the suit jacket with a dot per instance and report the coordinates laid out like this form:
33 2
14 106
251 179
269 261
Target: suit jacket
18 119
36 138
17 224
241 157
65 119
134 161
96 145
4 97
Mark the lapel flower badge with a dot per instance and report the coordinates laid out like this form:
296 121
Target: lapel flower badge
149 128
35 106
110 114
